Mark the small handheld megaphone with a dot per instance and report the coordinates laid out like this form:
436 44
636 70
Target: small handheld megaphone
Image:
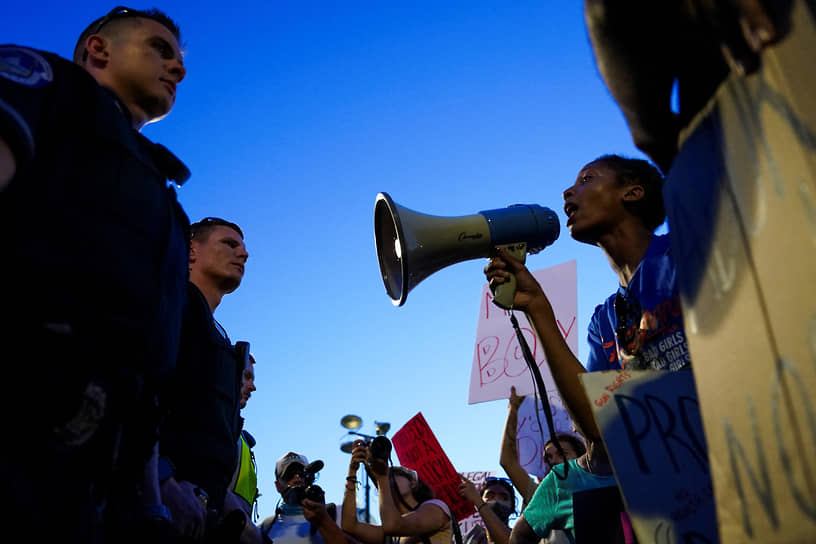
412 245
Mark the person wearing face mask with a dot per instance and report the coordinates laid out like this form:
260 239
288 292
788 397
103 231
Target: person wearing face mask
495 503
303 517
572 446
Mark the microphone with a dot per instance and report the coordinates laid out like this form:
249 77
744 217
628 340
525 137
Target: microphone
314 467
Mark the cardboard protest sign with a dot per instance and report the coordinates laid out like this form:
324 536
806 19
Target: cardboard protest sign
498 362
651 425
478 479
741 201
417 449
531 436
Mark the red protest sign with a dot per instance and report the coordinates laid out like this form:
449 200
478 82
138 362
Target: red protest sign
417 449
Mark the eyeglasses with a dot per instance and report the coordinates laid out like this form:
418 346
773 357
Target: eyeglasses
504 482
628 313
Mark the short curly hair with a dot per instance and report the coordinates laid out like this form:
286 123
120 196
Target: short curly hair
650 209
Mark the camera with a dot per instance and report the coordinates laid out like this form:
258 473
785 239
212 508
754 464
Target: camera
380 448
294 495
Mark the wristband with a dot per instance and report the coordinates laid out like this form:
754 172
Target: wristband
479 508
352 479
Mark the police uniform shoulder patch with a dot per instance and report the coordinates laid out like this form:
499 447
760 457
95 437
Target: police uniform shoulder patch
24 66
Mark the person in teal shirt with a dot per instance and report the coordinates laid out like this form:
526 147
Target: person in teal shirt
551 505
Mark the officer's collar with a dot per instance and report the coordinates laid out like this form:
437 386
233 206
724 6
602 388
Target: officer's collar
169 165
120 105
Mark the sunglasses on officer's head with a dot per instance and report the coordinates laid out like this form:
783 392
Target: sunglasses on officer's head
115 13
118 12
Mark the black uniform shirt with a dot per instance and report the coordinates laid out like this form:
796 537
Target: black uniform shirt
203 421
94 236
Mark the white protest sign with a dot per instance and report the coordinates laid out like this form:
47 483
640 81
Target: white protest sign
651 425
478 479
498 362
531 437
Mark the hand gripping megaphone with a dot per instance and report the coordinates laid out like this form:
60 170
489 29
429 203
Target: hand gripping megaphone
412 245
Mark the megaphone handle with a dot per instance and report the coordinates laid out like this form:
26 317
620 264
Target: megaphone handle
503 294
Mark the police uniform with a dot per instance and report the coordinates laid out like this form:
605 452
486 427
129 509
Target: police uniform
94 273
203 422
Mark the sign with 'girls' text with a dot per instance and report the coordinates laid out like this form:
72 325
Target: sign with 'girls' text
498 362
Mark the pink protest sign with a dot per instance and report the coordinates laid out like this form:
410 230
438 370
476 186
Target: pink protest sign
498 362
417 449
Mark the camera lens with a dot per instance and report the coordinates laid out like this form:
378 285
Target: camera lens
294 495
380 448
315 493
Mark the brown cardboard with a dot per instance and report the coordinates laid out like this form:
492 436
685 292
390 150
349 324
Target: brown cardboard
741 199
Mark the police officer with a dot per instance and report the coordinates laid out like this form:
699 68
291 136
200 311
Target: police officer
243 489
94 268
245 480
199 434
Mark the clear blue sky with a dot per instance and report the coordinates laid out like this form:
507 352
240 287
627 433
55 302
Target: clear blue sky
294 115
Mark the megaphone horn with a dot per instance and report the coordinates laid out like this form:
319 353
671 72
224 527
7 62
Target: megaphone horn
412 245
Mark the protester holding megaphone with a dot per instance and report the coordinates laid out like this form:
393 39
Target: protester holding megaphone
616 204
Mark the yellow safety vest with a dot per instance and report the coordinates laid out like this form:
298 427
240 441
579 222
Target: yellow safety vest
246 484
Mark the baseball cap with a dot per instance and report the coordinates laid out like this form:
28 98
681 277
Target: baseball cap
288 459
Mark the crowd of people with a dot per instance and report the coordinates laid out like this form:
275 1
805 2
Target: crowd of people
153 445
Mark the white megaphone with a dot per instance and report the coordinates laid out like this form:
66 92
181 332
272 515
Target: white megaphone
412 245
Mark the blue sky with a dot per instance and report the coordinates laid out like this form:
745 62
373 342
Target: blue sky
294 115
